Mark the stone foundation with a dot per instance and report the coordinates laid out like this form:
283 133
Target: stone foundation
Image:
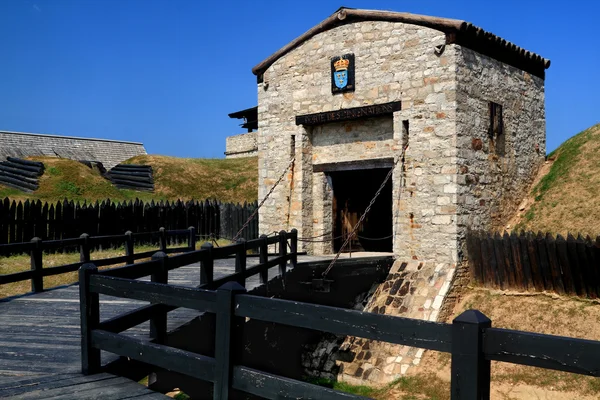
414 290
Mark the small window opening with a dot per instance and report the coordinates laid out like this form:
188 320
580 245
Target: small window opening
404 133
292 146
497 137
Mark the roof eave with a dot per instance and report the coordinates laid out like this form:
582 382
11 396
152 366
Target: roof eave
462 31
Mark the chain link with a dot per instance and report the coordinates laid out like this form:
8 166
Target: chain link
363 216
237 236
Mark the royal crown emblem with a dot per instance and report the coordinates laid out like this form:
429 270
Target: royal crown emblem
341 64
342 73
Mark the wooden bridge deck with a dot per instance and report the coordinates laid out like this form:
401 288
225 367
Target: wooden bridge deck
40 340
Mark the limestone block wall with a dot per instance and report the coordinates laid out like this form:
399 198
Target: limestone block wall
243 145
394 62
108 152
491 184
412 289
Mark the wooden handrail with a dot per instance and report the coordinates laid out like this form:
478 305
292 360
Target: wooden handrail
37 247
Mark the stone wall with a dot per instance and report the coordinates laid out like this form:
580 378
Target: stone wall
492 183
394 62
108 152
243 145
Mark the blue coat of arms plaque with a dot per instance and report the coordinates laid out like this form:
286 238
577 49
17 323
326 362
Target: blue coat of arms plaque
342 73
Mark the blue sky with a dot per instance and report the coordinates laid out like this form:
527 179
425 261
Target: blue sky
168 72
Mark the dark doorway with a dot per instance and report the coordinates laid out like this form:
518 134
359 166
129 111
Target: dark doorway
352 192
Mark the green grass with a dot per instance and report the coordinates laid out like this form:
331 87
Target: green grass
21 262
415 387
227 180
565 157
565 198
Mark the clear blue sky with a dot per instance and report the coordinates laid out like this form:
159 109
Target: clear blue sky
168 72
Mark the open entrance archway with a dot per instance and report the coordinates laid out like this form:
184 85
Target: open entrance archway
352 192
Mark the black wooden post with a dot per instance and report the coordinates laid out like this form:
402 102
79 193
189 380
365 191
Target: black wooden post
206 264
158 322
282 252
84 248
163 239
37 281
192 238
129 248
294 248
228 340
470 370
240 261
90 319
263 258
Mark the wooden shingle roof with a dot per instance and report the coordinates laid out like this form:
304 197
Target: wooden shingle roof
457 31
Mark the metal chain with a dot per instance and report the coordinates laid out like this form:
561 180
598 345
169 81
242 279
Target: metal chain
237 236
368 238
363 216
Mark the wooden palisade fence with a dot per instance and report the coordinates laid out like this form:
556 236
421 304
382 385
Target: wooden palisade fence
20 221
85 243
470 339
531 262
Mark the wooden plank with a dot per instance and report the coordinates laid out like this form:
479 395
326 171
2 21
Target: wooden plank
133 271
19 224
515 247
270 386
132 318
4 220
534 262
587 268
501 267
544 262
593 263
181 361
544 351
12 223
578 277
553 260
411 332
488 277
16 277
509 262
197 299
565 266
61 269
525 262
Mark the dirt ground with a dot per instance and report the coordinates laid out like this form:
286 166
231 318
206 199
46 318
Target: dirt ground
542 313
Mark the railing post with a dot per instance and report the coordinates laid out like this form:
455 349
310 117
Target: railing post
158 323
470 370
229 338
294 248
240 261
37 281
84 248
192 238
282 251
163 240
90 319
263 258
129 248
206 264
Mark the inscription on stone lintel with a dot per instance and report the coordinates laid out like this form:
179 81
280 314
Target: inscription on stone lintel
348 114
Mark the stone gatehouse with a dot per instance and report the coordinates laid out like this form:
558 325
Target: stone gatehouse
347 96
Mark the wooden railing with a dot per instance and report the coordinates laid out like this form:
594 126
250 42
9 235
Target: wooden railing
37 247
470 339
